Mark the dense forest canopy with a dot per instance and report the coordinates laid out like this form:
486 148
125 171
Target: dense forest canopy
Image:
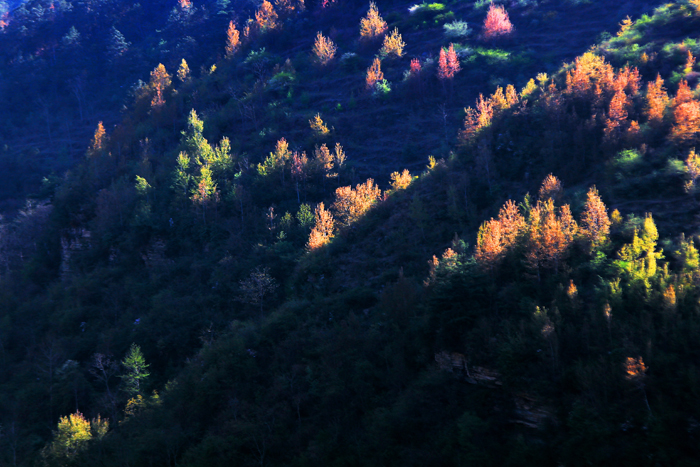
347 233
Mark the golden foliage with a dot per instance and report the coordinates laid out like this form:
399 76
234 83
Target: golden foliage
497 235
692 170
635 368
323 159
617 116
266 17
476 119
322 232
317 125
374 74
160 80
595 223
350 204
401 181
393 44
324 49
656 100
689 63
551 188
372 25
233 39
97 144
183 72
686 126
625 25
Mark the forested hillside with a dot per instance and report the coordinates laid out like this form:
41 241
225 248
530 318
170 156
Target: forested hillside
338 233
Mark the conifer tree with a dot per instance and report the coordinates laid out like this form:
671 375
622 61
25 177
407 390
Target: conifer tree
393 44
183 73
136 371
97 145
656 100
595 223
496 24
324 49
266 17
233 41
322 232
374 74
160 80
372 25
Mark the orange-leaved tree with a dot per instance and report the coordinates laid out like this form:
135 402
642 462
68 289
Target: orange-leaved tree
686 116
497 23
322 231
160 80
374 74
233 40
656 101
372 25
97 145
324 49
551 188
350 204
595 223
266 17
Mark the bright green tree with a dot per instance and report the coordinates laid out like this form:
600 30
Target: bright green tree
136 370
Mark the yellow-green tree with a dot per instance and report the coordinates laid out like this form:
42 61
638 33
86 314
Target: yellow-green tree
70 438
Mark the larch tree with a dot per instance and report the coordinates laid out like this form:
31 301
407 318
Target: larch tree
318 126
374 74
160 81
324 49
489 245
98 143
266 17
595 223
351 204
496 24
393 44
233 40
686 116
135 371
617 117
656 101
551 188
183 72
401 181
372 25
70 438
322 231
